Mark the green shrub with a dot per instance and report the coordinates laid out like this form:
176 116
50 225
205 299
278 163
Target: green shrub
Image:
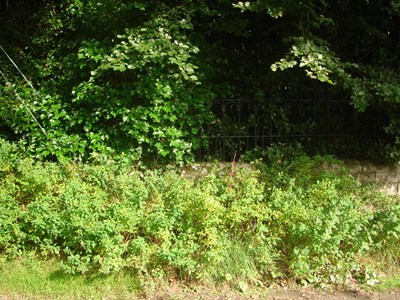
321 230
291 219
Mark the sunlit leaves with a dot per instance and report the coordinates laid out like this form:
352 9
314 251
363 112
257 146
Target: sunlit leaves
274 9
317 60
141 90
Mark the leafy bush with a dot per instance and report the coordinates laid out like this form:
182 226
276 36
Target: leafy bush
134 89
304 223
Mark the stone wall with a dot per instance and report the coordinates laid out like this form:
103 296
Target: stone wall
387 177
221 168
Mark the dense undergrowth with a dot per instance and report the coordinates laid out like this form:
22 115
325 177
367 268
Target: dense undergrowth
285 218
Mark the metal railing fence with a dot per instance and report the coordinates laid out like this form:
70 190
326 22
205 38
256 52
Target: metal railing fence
321 125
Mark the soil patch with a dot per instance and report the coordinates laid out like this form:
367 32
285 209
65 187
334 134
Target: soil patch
206 293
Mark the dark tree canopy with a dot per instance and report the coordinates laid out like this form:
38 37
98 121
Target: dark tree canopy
140 76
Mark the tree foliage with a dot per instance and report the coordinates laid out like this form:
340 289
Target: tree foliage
139 76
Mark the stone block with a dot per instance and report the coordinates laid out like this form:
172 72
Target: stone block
368 167
366 177
204 172
382 169
381 176
393 177
390 188
354 166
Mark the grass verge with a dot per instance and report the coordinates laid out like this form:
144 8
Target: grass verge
32 278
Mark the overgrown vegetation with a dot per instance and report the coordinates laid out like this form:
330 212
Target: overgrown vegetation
139 77
94 92
285 218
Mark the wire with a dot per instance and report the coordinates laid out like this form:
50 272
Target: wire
19 70
23 102
16 93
